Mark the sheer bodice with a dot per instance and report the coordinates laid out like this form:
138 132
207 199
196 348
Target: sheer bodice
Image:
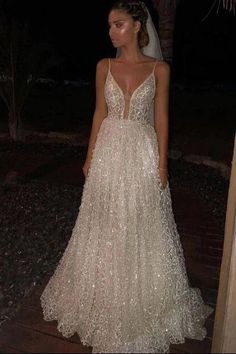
137 106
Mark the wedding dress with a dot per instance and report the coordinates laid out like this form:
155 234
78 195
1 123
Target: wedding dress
121 283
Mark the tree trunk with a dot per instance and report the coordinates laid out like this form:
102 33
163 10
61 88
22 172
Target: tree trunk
166 11
15 122
15 125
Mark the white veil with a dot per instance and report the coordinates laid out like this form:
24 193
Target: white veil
153 49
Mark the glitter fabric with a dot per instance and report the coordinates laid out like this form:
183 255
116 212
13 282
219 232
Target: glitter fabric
121 283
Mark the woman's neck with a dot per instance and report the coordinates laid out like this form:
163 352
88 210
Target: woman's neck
131 54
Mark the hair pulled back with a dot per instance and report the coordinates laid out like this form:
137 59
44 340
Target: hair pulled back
138 11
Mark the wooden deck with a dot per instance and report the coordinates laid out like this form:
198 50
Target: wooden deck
202 241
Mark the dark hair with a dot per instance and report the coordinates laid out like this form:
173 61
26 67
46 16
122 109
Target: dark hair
138 11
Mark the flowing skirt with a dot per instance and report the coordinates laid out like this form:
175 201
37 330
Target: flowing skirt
121 283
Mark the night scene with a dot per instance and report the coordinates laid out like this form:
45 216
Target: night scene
117 176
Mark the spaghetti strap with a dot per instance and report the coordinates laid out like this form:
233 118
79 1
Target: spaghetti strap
109 64
154 66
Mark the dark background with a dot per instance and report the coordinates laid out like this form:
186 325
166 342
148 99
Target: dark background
78 32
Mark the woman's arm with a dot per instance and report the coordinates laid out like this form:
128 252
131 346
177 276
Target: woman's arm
161 109
161 119
100 108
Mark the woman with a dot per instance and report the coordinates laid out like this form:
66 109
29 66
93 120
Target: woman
121 283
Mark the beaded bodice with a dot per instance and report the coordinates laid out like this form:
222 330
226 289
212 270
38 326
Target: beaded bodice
134 107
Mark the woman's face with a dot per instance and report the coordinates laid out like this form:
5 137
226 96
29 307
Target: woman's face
123 29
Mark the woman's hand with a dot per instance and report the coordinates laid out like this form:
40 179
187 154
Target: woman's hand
163 172
86 167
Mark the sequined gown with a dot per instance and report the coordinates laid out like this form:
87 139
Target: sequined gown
121 283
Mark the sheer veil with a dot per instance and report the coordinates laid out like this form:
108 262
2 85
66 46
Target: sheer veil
153 49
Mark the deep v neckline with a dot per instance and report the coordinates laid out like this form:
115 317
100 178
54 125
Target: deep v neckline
140 85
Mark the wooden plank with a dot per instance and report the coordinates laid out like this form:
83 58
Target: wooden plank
175 350
209 294
30 341
30 318
194 346
32 301
6 349
209 326
33 320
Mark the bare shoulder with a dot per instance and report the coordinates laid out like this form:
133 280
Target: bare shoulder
162 70
102 65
